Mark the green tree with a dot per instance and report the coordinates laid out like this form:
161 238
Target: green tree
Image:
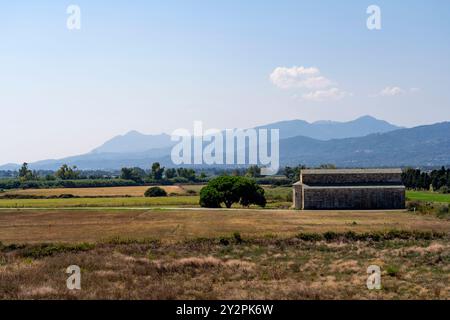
67 173
293 173
126 174
231 189
327 166
210 197
135 174
188 174
157 171
25 174
170 173
253 172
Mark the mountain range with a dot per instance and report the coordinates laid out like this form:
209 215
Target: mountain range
364 142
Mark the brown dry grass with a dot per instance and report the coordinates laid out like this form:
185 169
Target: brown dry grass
254 269
81 225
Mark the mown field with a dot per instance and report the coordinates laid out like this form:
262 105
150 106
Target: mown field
283 195
78 225
134 191
279 197
428 196
179 201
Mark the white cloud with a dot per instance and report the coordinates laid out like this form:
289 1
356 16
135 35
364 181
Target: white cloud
394 91
326 95
299 77
391 91
308 82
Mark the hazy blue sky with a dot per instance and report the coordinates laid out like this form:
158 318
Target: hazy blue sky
154 66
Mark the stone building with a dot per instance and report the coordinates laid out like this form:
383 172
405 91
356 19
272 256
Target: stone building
328 189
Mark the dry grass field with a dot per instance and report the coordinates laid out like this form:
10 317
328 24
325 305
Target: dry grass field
108 202
268 268
222 254
102 192
78 225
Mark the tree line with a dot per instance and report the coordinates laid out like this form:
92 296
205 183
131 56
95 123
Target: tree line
436 180
71 176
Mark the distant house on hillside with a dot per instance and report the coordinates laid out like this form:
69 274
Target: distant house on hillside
330 189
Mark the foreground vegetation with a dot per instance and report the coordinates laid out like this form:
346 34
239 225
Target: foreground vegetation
221 254
415 265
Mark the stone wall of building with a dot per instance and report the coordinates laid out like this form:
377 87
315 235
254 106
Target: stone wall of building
353 198
337 179
298 196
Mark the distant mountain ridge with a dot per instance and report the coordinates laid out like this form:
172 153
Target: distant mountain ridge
427 145
327 130
419 146
135 141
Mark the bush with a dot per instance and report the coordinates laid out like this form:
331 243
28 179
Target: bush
224 241
155 192
237 237
311 237
444 190
393 271
443 211
45 250
375 236
330 235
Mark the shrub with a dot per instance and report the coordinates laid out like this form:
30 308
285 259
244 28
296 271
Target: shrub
45 250
155 192
330 235
371 236
444 190
224 241
310 237
443 211
393 271
237 237
289 197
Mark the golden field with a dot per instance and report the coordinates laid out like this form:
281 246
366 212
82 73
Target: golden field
132 191
81 225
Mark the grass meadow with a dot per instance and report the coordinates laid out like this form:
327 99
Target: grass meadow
132 247
306 266
428 196
180 196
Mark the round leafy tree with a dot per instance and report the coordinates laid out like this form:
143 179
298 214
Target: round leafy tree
209 198
155 192
229 190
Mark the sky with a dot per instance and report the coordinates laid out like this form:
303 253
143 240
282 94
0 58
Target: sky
156 66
